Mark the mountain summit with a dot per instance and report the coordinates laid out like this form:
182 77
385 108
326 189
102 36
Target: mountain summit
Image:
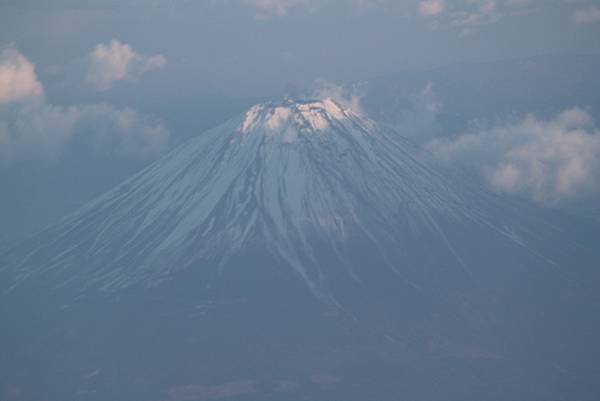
293 117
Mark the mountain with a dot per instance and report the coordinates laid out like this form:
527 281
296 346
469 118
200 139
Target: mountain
301 251
288 178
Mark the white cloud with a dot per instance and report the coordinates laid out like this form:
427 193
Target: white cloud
548 161
588 15
18 80
117 61
32 128
350 97
431 7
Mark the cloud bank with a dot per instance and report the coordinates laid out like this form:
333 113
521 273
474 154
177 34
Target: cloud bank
117 61
548 161
41 131
31 128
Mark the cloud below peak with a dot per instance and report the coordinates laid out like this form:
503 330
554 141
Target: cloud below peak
118 61
548 161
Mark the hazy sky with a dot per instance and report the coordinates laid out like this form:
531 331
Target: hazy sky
256 47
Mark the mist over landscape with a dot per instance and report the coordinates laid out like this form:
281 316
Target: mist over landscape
324 200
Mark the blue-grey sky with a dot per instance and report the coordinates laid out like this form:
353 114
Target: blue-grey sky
256 47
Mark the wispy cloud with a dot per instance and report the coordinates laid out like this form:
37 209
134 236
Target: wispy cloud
418 120
548 161
270 8
348 96
476 13
467 15
118 61
588 15
431 7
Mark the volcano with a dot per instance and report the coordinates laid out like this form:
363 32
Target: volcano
301 251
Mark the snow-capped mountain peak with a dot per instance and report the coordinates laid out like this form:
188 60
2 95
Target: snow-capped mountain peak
300 116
